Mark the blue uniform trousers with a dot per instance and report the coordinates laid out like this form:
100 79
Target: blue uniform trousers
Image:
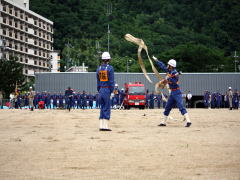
105 103
175 98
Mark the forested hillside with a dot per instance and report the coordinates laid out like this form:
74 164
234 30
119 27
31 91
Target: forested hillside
201 35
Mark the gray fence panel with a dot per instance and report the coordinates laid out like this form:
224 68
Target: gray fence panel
197 83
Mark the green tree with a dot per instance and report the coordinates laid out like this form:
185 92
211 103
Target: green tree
11 73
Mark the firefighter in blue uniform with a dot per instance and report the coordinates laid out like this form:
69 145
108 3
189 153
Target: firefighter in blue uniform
218 100
54 98
90 100
116 94
175 94
235 100
78 100
159 100
151 101
97 100
105 86
69 96
206 99
122 95
213 100
84 100
61 97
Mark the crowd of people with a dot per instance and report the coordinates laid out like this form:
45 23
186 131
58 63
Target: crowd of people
87 100
217 100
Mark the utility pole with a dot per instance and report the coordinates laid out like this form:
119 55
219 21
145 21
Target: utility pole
235 60
109 12
98 52
68 59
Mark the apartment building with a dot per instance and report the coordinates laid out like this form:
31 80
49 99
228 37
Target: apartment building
26 35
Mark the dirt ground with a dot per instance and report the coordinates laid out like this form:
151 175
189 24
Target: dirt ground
56 144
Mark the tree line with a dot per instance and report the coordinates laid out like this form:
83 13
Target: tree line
200 35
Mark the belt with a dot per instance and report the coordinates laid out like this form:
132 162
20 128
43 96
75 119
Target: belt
175 89
104 86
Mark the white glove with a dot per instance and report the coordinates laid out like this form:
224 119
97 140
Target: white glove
154 58
112 95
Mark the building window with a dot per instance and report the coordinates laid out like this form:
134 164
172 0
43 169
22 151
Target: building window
35 62
40 24
43 64
10 33
35 32
35 42
26 60
21 59
4 20
4 8
21 38
21 16
16 36
40 54
16 13
21 48
26 39
26 71
21 27
16 24
35 22
26 49
26 29
35 52
26 18
16 47
10 11
40 63
4 32
10 22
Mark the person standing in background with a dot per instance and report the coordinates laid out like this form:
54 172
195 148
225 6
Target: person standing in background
31 98
235 100
230 98
188 99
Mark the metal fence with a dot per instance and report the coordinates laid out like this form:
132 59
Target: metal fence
197 83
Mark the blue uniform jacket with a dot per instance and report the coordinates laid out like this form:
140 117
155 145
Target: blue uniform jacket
105 77
172 78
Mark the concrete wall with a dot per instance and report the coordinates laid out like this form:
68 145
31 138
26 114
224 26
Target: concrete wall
197 83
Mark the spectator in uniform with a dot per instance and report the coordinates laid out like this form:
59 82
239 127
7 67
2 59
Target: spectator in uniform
69 96
235 100
188 99
230 98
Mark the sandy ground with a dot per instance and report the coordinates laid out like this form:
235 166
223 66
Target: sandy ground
56 144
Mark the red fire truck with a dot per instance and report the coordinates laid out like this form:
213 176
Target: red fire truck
135 95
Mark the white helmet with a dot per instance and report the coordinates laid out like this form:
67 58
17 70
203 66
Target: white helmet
106 56
172 63
230 88
116 85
